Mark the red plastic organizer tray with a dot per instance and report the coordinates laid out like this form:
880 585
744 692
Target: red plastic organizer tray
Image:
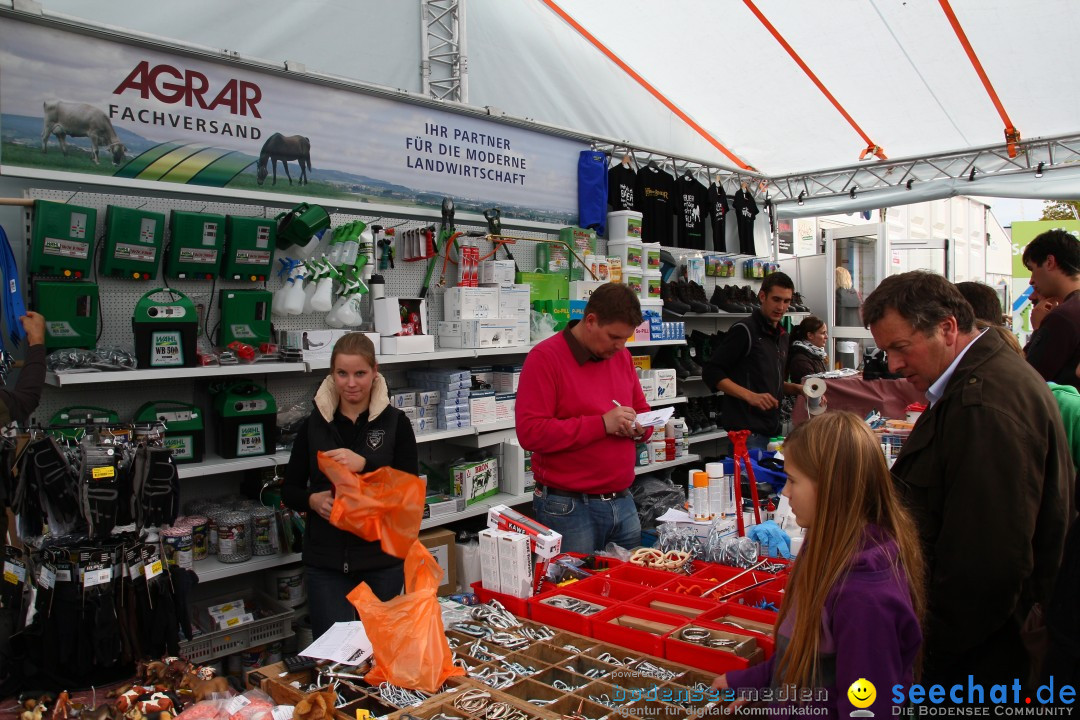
541 612
712 659
604 629
518 606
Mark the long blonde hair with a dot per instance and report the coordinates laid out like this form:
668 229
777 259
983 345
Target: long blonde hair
842 457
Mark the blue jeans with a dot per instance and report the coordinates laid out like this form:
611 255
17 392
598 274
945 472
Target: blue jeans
327 591
589 524
757 441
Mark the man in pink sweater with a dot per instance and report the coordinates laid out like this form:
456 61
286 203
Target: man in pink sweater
577 403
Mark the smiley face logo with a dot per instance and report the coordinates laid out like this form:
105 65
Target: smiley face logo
862 693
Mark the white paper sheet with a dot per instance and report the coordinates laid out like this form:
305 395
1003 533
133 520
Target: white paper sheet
655 418
344 642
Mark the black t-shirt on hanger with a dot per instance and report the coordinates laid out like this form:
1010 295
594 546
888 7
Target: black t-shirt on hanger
692 208
654 198
745 212
621 181
718 209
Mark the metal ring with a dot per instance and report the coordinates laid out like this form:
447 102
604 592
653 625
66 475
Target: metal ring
694 635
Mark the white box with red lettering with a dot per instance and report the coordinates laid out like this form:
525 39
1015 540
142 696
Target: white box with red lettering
545 542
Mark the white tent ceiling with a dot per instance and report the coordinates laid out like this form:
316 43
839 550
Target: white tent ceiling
896 67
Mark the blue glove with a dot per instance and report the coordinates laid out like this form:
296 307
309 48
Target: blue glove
774 541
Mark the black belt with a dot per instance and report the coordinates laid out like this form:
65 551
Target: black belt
591 496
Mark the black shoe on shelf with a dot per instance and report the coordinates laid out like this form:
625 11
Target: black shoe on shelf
798 304
688 361
727 301
750 298
698 293
684 292
667 358
671 302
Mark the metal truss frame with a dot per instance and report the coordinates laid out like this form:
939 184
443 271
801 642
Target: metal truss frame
1032 156
443 62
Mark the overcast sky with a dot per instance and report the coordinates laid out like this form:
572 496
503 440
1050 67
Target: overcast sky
1009 210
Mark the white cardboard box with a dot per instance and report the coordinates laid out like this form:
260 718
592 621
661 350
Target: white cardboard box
515 565
387 312
648 387
482 407
408 344
489 559
515 469
471 303
477 333
514 301
504 406
499 273
583 289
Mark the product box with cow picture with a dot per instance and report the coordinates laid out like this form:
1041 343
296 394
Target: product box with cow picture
476 481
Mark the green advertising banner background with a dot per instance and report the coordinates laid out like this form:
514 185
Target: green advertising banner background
1024 232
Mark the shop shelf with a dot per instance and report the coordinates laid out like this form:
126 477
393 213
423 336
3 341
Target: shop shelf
656 467
706 437
668 401
214 465
68 379
210 568
479 508
652 343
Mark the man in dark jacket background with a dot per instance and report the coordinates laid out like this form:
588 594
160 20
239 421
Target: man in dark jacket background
750 365
986 473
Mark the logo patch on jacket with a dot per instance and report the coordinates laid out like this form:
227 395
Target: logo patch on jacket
375 438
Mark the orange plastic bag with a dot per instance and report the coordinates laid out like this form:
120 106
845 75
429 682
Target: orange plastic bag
385 505
406 632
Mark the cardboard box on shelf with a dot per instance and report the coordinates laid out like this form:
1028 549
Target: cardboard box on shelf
476 481
499 273
515 565
515 469
471 303
440 543
391 312
490 333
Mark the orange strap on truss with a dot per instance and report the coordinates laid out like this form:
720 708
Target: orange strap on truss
1012 135
872 148
645 84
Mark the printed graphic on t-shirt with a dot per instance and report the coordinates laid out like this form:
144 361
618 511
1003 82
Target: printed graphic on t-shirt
375 438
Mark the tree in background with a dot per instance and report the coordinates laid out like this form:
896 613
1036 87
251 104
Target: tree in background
1061 210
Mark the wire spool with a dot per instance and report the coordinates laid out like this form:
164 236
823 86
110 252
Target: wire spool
234 530
199 525
814 390
302 627
212 516
198 506
287 586
178 542
264 536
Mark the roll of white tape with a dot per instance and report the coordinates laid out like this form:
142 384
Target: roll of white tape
814 389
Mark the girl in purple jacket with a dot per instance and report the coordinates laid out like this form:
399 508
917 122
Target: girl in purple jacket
852 608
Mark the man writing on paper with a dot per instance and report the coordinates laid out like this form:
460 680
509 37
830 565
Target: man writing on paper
577 404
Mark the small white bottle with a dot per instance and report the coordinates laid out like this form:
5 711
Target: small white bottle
715 472
702 512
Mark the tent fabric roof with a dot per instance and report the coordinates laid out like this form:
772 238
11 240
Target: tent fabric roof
895 66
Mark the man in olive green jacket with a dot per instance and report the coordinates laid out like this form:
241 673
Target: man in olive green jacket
987 474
